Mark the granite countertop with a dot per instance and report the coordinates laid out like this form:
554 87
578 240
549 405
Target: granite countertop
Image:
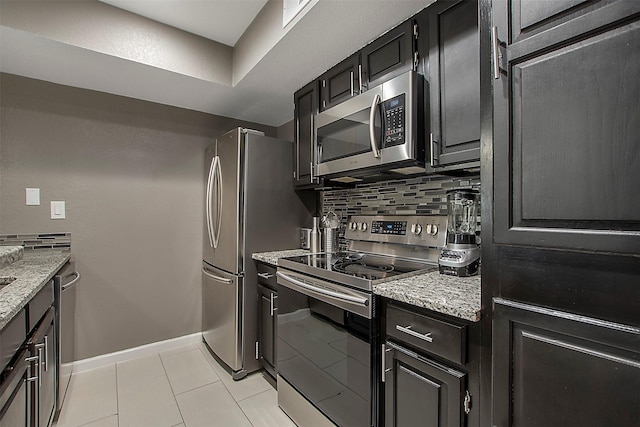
10 254
32 272
272 257
455 296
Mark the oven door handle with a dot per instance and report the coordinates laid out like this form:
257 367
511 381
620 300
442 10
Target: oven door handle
327 292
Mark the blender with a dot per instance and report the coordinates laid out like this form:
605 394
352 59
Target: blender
461 254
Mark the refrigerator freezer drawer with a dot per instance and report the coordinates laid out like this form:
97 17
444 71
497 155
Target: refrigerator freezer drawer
221 325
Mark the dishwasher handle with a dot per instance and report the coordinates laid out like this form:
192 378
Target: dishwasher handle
71 283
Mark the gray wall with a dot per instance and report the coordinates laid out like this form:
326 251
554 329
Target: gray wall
131 173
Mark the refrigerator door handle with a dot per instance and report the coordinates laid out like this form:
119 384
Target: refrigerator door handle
216 278
219 186
208 200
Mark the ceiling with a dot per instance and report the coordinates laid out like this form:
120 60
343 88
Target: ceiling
251 76
223 21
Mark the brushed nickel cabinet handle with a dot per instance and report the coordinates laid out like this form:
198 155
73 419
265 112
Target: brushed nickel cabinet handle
433 143
494 58
407 330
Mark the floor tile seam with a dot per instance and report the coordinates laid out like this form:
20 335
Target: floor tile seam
246 397
195 388
254 395
115 367
233 398
238 405
172 391
153 377
100 419
202 386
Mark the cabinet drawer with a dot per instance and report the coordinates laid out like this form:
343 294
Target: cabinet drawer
267 275
435 336
11 338
39 305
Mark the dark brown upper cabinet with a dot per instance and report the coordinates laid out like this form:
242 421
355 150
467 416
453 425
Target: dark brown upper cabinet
388 56
305 109
566 131
340 83
454 83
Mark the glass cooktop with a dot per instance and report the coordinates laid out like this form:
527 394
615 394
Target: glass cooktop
356 269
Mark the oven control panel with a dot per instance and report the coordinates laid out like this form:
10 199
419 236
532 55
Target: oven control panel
420 230
389 227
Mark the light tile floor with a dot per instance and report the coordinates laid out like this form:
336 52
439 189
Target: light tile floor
185 387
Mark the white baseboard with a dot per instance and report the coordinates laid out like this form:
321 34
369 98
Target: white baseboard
135 352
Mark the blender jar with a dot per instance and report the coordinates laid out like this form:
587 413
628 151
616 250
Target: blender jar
463 214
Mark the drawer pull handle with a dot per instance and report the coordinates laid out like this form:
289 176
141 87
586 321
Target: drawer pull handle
407 330
265 275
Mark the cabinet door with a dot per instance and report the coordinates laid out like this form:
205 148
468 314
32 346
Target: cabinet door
267 325
305 109
42 346
388 56
557 369
420 391
340 82
566 125
454 81
47 390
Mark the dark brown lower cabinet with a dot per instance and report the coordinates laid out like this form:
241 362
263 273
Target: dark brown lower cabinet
552 368
420 391
41 348
430 368
268 307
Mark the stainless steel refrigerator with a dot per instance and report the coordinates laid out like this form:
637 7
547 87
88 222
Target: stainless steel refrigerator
250 206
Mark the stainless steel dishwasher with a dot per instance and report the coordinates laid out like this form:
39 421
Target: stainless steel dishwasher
65 304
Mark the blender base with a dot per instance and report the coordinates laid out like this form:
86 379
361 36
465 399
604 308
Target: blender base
460 271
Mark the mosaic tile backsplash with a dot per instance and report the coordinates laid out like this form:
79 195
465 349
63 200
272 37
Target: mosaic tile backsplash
37 240
415 196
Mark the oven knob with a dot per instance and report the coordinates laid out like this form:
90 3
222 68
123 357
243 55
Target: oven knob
429 228
434 229
363 226
416 229
353 225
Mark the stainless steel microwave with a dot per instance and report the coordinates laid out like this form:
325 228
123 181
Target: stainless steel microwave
379 132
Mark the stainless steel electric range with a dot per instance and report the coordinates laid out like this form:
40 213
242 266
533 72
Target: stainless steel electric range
328 351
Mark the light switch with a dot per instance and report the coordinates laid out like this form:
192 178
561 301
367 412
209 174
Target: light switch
57 210
33 197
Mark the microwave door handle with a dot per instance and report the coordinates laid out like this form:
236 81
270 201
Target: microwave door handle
372 128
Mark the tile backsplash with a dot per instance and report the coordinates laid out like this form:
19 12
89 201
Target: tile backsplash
37 240
416 196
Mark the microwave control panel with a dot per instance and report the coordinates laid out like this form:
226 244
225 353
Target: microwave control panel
394 121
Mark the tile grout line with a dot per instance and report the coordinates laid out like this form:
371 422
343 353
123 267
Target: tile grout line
253 395
207 356
99 419
117 395
172 391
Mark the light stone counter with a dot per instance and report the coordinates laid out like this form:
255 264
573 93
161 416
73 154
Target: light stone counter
272 257
10 254
32 272
455 296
